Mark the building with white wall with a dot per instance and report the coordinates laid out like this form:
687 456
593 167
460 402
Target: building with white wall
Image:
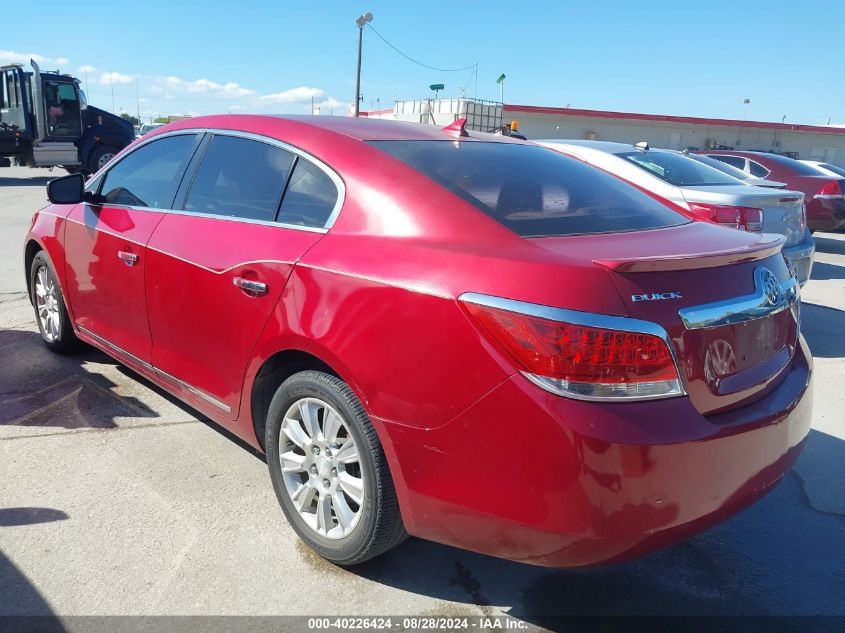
814 142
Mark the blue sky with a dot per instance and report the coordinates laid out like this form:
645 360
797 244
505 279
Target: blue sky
683 57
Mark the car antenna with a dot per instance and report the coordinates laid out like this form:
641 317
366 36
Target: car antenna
458 128
642 145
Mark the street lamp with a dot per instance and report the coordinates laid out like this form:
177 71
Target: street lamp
361 21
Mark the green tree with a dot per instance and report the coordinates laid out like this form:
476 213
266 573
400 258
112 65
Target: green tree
132 119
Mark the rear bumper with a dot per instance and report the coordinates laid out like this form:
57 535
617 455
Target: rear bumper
801 257
533 477
825 214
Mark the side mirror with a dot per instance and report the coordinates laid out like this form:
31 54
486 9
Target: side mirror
67 189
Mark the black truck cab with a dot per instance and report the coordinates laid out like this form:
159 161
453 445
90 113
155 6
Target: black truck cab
46 121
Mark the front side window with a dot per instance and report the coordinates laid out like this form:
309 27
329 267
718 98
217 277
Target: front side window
150 175
240 178
677 169
534 191
310 197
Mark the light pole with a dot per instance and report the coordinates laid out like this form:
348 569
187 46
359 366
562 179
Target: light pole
746 102
361 21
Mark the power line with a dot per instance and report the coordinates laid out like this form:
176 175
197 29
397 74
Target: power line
419 63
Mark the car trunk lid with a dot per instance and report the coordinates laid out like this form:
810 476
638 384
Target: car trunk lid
726 299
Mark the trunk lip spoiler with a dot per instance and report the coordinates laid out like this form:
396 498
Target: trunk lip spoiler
756 305
755 252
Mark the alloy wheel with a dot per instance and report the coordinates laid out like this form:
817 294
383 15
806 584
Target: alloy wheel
47 304
321 468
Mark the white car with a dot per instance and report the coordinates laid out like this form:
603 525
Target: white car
705 191
826 168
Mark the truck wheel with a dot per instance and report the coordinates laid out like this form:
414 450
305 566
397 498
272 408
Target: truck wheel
99 157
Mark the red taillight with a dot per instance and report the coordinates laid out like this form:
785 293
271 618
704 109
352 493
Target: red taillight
582 361
742 218
830 190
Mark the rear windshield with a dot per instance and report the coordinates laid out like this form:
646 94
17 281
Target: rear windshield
679 170
730 170
534 191
802 169
834 169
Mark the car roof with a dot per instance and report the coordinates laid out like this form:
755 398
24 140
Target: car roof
610 147
360 128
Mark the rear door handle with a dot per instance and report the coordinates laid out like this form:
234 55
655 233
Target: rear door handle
250 286
130 259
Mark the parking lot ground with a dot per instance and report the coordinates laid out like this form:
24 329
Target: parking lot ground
117 499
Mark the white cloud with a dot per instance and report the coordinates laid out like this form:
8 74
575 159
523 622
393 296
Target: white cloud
205 86
87 68
116 78
333 106
302 94
12 57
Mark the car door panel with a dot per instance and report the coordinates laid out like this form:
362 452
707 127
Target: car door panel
105 261
203 325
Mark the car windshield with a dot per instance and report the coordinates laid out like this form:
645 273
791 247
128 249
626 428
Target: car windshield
833 168
801 169
730 170
678 170
534 191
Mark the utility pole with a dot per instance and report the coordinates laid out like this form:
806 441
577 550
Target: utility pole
138 100
361 21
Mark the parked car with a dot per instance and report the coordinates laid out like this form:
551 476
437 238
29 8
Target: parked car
730 170
149 127
706 192
834 171
823 194
470 339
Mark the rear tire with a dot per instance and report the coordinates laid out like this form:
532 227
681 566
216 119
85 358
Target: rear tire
50 310
335 490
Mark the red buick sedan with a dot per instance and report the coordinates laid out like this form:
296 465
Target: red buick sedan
462 337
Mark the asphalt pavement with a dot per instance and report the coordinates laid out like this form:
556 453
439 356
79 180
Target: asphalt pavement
116 499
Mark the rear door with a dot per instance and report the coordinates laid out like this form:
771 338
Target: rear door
105 243
219 261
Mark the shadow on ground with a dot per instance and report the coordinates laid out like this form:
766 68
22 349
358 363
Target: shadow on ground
32 181
823 271
830 245
781 557
823 327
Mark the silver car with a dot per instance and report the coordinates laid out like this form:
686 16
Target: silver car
705 191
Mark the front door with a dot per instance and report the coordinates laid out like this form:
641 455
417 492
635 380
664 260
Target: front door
217 267
62 109
105 244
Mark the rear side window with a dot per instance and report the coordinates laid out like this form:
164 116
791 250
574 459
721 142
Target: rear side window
150 175
757 169
310 197
736 161
532 190
240 178
677 169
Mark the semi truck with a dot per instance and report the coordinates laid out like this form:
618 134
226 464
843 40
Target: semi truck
45 121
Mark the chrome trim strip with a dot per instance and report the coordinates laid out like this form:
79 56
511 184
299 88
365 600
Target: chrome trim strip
158 372
742 309
190 388
115 348
588 319
333 176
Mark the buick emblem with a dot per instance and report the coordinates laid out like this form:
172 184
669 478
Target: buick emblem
771 287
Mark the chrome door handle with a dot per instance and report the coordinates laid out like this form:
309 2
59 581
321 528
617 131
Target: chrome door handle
248 285
130 259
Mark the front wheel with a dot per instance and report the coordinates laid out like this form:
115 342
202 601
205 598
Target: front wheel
50 310
329 470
